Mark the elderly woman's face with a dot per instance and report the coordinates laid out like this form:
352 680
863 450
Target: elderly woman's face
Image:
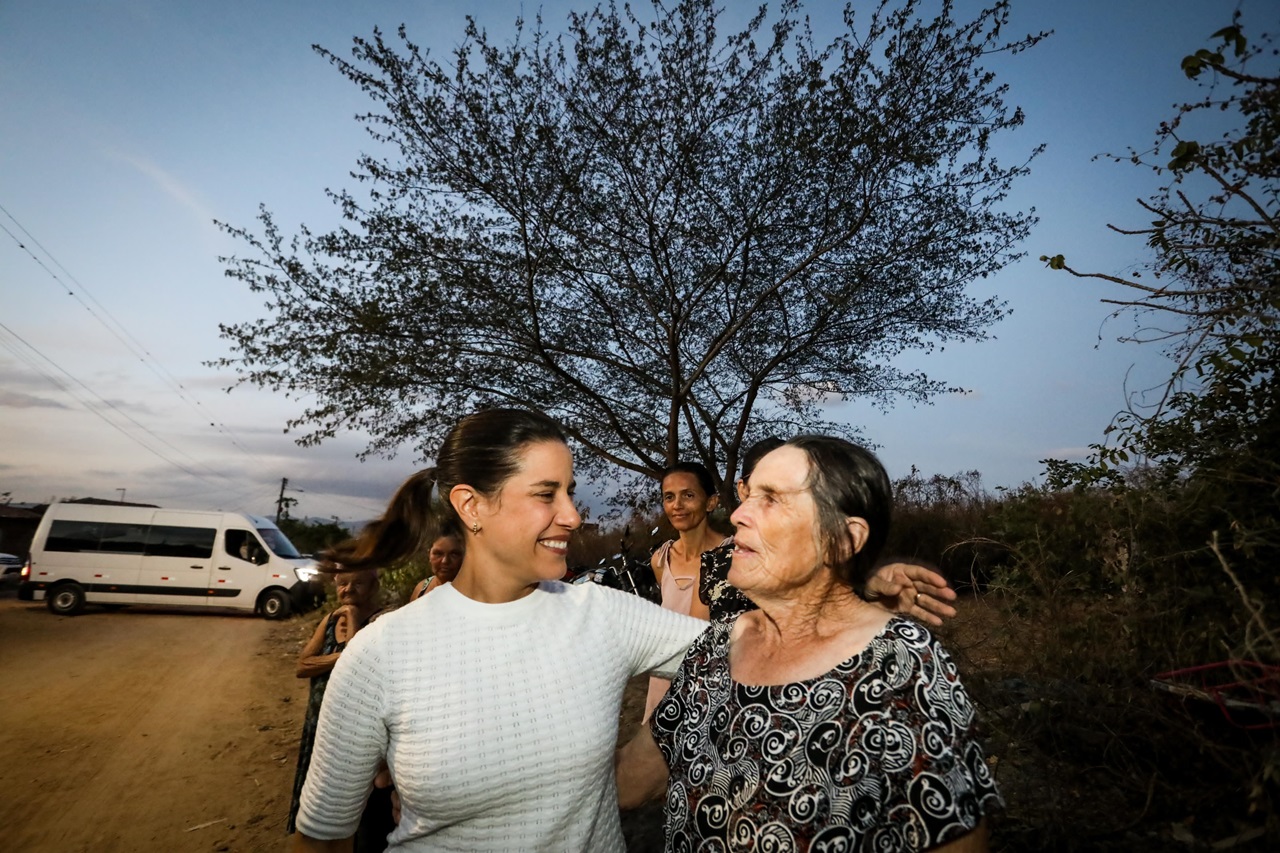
356 588
776 545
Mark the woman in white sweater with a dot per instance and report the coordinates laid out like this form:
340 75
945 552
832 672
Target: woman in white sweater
495 699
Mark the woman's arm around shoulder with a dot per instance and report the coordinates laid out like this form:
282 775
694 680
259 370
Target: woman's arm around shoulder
913 590
650 638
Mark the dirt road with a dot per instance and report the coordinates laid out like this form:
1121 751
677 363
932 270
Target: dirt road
146 730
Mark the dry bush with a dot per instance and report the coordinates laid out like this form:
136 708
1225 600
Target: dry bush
1094 593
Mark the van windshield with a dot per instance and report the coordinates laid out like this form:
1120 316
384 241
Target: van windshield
278 543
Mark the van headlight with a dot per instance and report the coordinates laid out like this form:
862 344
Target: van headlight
306 575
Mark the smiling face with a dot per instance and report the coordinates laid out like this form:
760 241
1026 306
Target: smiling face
526 527
684 501
776 545
445 557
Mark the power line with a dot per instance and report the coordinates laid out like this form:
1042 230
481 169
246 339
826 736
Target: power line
35 365
120 333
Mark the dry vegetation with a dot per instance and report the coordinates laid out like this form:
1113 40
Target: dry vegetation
1079 598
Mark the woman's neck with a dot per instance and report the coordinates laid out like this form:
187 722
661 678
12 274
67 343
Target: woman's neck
815 611
801 637
488 584
696 540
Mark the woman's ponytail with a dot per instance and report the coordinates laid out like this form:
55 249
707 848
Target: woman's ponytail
406 529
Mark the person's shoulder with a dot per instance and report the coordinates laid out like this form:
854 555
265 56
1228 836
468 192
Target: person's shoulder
918 642
719 633
613 605
390 620
721 553
909 631
598 594
662 551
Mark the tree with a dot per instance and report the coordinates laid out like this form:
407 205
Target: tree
1215 291
1213 298
312 537
673 242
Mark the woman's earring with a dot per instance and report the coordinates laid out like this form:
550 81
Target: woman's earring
475 527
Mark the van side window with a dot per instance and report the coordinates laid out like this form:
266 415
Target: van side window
74 536
185 542
123 538
96 536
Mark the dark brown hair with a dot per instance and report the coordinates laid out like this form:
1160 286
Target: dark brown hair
699 472
757 452
847 481
482 451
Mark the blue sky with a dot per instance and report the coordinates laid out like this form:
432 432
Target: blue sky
129 125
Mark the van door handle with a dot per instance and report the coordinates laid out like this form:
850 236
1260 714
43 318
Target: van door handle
224 568
198 567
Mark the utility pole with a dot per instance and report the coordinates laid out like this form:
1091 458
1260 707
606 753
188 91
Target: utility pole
121 491
283 503
284 481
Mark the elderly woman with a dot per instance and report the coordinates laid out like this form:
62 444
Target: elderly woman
357 593
818 721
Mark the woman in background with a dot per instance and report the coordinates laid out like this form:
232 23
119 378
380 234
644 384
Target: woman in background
688 498
357 604
445 558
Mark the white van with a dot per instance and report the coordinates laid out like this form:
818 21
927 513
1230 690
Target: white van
115 555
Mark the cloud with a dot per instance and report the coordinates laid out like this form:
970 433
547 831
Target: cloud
1067 453
19 400
171 187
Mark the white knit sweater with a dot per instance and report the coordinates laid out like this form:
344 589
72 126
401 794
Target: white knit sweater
498 721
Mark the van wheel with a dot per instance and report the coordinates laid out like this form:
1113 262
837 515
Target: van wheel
66 599
275 604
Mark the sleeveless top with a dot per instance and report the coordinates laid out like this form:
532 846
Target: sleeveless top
677 592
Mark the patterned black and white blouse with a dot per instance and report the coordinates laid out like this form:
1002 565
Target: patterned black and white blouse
878 755
714 590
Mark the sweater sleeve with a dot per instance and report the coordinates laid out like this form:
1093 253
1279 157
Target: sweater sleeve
652 639
351 739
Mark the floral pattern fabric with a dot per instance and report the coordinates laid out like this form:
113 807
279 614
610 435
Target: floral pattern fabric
722 598
878 754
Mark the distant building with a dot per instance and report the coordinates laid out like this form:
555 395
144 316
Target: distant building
18 528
